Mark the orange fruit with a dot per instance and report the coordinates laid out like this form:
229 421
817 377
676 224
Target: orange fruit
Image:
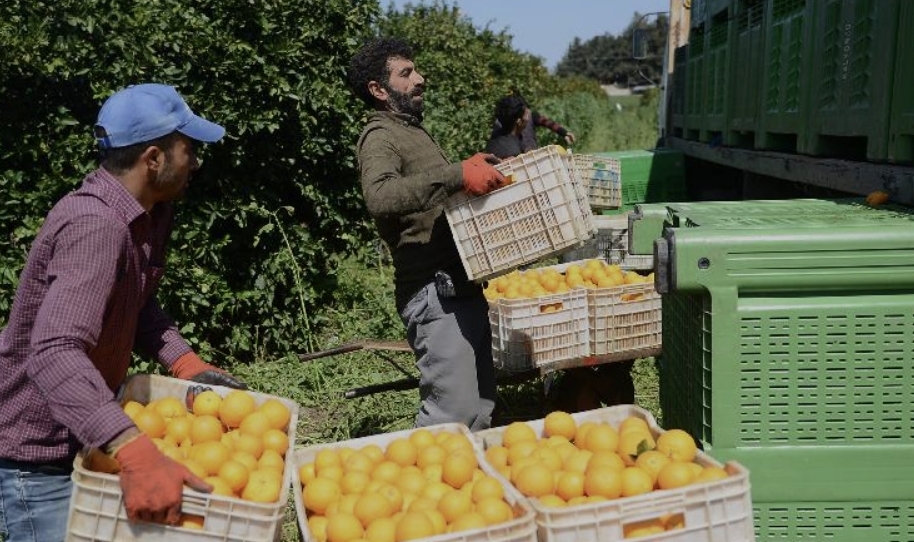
421 438
636 481
326 457
577 460
234 473
318 527
551 501
402 452
170 407
601 438
548 456
453 442
433 454
634 422
374 452
535 480
178 428
458 469
220 486
651 462
606 459
517 432
559 423
569 485
205 429
381 530
195 468
191 521
711 474
437 520
344 527
248 443
632 443
414 525
497 456
250 461
387 471
264 485
272 460
454 504
521 450
150 422
207 403
487 487
277 412
319 493
641 528
235 406
354 482
276 440
677 445
305 472
411 482
370 507
467 521
675 474
394 496
132 408
603 482
494 510
210 455
256 423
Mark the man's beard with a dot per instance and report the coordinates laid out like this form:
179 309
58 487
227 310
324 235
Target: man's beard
402 102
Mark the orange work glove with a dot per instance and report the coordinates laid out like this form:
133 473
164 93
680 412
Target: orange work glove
479 177
191 367
152 482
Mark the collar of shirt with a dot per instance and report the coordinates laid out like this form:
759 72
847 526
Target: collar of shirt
106 187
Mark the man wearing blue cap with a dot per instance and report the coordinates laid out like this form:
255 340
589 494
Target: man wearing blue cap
86 300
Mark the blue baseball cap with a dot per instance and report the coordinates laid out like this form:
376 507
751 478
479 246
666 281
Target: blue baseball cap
141 113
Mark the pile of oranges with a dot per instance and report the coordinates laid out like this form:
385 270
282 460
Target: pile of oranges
418 486
233 443
549 280
572 464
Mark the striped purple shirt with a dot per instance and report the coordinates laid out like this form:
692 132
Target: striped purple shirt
86 299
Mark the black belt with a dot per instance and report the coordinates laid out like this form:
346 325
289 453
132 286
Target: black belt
59 466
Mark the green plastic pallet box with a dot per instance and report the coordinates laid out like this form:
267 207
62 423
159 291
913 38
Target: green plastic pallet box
649 176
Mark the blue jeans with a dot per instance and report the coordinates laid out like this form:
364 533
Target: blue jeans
34 503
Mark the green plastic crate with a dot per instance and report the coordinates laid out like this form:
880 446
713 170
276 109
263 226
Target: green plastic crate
717 66
648 220
901 128
789 349
647 176
853 52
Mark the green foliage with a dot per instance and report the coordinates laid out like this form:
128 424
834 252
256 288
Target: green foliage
467 70
608 59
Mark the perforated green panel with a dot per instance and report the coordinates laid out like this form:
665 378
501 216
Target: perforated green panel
834 522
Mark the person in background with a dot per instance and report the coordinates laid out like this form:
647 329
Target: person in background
511 114
534 120
86 300
406 180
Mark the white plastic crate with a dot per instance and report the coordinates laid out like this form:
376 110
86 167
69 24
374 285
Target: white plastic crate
97 512
519 529
535 332
538 215
623 319
719 511
602 178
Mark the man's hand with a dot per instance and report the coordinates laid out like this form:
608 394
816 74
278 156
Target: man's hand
152 482
191 367
479 177
569 138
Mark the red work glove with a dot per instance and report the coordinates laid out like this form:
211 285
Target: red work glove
152 483
191 367
479 177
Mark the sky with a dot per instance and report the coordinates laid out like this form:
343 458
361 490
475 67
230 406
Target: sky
546 28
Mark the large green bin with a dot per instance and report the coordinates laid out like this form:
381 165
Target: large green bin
748 41
695 82
788 347
786 74
717 75
901 123
653 175
853 51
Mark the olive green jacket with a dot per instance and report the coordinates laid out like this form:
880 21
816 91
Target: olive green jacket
406 179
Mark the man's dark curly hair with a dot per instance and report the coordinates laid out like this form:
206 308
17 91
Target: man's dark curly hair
370 64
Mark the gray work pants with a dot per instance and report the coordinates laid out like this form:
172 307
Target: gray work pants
452 341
